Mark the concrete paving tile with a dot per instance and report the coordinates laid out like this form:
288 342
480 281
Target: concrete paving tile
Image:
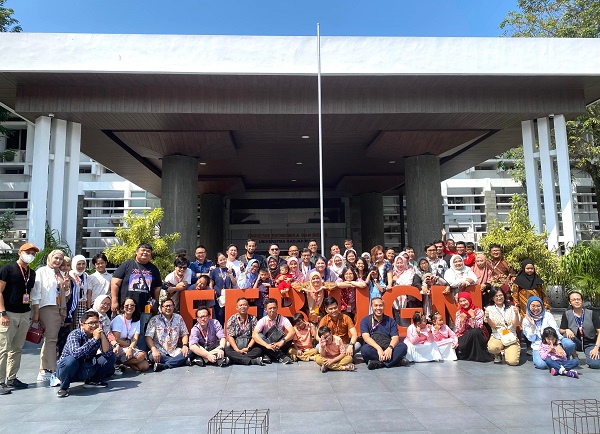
514 416
450 418
316 386
440 398
42 427
352 402
309 403
477 397
383 421
326 421
180 424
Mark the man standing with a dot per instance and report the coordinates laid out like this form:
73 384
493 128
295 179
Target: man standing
314 252
275 252
87 356
232 260
251 254
500 267
274 333
162 338
294 251
306 265
382 345
139 279
201 266
16 283
437 265
340 325
207 341
334 250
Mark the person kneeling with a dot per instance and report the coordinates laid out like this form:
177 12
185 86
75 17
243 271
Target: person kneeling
207 341
332 352
162 335
81 360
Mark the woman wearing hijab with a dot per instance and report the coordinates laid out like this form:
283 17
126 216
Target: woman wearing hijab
536 319
294 266
402 275
337 265
78 304
484 272
471 332
528 284
248 277
458 275
273 266
315 293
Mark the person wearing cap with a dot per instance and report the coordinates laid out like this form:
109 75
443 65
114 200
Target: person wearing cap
16 283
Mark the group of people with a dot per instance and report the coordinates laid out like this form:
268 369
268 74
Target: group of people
98 325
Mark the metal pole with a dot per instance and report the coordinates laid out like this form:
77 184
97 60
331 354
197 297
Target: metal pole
320 139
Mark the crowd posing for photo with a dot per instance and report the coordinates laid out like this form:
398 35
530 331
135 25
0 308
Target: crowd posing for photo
99 325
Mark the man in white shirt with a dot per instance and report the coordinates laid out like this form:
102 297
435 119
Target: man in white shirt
99 282
232 260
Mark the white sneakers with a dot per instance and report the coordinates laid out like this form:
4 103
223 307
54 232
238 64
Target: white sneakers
44 376
54 380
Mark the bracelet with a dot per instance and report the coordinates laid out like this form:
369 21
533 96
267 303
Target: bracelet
185 345
391 347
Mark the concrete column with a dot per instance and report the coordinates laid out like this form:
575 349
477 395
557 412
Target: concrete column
38 152
72 234
531 156
371 219
211 224
547 166
491 206
179 199
564 182
423 200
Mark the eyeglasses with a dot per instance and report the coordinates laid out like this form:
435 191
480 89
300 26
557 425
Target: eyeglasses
203 316
92 324
430 250
182 268
168 306
499 296
274 248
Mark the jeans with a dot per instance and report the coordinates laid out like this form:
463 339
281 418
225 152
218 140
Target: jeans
567 344
592 363
69 369
169 361
556 364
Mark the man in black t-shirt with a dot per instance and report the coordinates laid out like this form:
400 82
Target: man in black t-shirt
16 282
138 279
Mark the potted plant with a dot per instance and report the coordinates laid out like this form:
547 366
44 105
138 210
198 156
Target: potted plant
9 154
559 282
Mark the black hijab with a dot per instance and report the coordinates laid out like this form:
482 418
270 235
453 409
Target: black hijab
525 281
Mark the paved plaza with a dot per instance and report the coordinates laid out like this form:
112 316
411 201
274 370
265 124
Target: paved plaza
465 397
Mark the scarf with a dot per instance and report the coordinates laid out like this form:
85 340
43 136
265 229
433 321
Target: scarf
484 275
403 274
524 281
337 270
297 276
419 271
467 297
273 271
104 319
248 277
542 313
315 293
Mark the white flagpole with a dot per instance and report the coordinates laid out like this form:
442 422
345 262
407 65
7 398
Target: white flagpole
320 139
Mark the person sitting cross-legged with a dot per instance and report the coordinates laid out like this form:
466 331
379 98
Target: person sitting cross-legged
242 349
382 345
207 341
162 337
302 346
332 352
81 360
274 333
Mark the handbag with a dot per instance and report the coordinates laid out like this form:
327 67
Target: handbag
35 332
242 342
381 339
508 338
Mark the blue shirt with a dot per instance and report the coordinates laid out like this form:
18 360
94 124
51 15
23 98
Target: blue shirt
81 347
197 267
387 326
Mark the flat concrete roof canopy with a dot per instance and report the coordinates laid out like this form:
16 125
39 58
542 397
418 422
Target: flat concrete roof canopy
242 104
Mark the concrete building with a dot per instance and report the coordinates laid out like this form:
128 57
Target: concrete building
223 128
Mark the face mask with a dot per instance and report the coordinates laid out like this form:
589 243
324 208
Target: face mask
27 258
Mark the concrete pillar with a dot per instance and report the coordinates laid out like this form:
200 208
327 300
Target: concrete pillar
38 153
179 199
491 206
423 200
371 220
547 165
211 224
569 238
531 157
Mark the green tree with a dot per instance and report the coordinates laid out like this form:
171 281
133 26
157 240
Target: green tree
7 22
520 241
564 19
139 229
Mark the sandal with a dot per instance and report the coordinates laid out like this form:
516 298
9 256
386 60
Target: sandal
350 367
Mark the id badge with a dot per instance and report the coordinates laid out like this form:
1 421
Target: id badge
25 298
505 331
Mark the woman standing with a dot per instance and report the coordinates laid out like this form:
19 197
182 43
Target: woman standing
49 301
348 291
350 258
326 274
472 334
385 268
315 293
483 271
528 284
248 277
504 320
338 265
362 269
294 266
221 278
424 279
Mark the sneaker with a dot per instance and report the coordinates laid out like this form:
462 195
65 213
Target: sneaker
554 372
44 376
62 393
89 384
498 358
15 383
374 364
285 360
572 373
324 368
257 361
404 362
54 380
224 362
199 361
119 370
159 367
4 389
266 360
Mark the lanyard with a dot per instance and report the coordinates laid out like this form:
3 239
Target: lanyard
244 325
25 279
204 336
373 321
579 321
502 315
167 328
128 328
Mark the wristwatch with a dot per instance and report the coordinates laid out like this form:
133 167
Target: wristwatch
3 313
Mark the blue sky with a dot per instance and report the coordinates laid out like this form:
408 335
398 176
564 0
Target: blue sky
266 17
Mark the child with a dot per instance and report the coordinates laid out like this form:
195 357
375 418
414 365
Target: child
284 280
555 356
444 337
420 341
263 283
302 346
376 285
469 254
332 352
